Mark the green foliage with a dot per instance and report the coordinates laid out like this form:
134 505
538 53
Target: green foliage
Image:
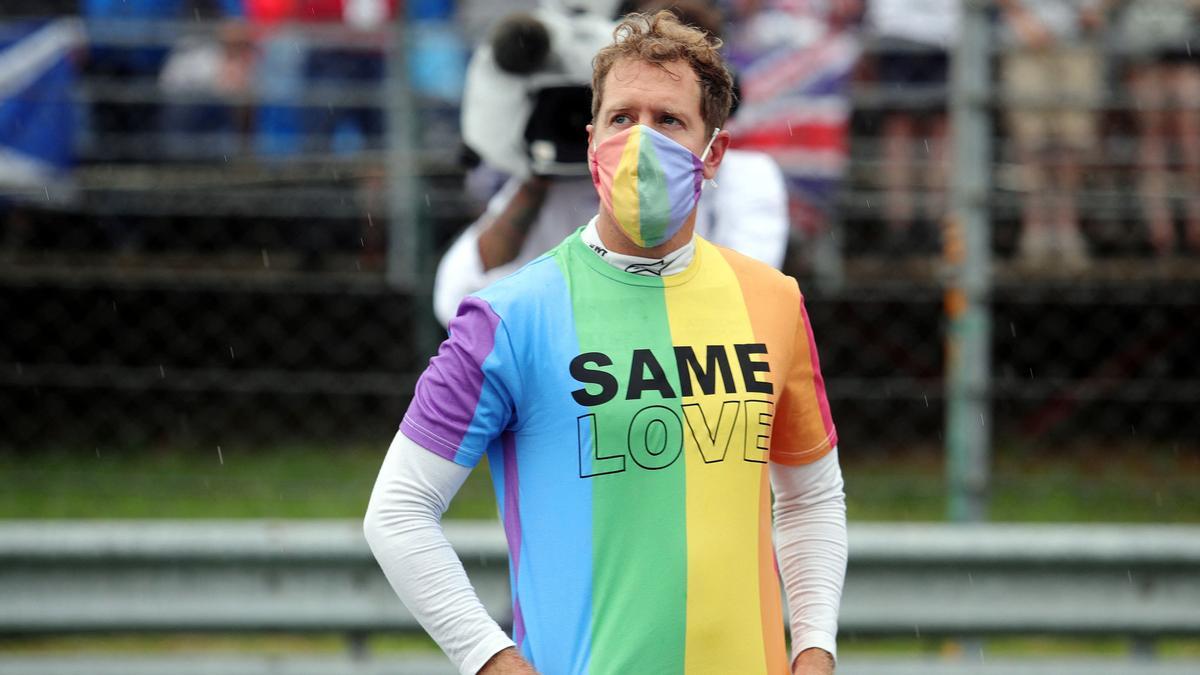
335 482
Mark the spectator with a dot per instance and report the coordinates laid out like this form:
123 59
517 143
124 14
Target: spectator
294 65
1164 77
796 60
208 81
913 39
353 63
746 212
1052 71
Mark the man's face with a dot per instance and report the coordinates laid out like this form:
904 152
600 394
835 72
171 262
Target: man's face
664 97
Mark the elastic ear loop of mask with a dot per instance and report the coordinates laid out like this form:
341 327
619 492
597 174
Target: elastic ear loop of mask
709 181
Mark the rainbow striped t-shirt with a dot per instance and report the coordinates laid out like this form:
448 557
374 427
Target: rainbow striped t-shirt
628 421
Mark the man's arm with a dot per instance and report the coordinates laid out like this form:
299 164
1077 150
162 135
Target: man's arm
501 239
403 528
811 546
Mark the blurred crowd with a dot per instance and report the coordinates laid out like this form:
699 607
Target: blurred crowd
1083 89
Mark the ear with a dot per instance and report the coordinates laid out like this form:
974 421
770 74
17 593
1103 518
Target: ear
716 154
589 128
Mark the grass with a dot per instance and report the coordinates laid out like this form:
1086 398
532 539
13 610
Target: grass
1081 485
293 482
1078 484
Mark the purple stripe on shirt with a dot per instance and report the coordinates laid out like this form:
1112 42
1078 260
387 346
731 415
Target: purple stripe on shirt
447 394
512 527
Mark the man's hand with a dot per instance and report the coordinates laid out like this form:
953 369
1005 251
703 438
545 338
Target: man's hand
813 661
509 662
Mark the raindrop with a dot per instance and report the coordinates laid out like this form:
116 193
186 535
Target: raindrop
1012 327
231 356
358 265
361 243
370 222
427 203
970 579
1129 573
1188 44
266 259
917 630
97 452
1132 430
47 190
926 400
926 146
981 422
789 125
1031 373
220 457
162 372
114 303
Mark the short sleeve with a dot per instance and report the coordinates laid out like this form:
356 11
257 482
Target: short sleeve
467 396
804 430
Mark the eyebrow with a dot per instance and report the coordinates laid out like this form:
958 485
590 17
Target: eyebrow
674 112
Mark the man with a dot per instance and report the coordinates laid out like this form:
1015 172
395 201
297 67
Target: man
636 422
531 214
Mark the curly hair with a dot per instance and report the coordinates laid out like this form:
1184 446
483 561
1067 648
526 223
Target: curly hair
660 39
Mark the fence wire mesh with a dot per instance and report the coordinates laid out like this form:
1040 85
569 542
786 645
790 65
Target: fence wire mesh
202 250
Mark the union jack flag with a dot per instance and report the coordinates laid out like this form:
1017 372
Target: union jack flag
795 68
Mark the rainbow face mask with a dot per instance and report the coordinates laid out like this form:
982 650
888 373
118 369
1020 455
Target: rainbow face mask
648 182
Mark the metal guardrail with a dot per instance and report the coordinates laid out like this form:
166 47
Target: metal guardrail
958 581
903 579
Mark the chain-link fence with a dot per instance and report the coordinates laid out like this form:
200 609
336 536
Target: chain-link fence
235 230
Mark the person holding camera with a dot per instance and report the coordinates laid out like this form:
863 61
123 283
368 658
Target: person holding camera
536 68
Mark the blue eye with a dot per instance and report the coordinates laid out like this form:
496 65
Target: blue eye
620 118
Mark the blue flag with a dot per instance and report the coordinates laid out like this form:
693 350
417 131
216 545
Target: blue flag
37 116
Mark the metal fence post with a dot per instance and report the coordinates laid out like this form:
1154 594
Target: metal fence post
967 244
409 249
404 232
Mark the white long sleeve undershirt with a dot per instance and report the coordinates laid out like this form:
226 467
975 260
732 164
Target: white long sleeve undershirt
404 530
414 487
